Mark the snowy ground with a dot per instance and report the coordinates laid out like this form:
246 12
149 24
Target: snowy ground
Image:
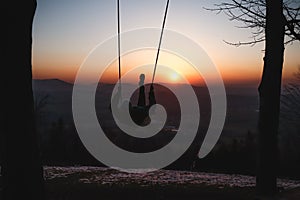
106 176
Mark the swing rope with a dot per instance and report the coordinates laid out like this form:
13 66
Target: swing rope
160 41
159 45
119 40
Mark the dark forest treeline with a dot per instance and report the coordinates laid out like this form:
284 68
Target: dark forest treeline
62 147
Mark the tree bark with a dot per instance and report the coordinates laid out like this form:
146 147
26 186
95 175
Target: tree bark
269 93
21 168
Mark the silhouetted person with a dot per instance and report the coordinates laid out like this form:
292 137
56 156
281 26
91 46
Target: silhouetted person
142 98
140 112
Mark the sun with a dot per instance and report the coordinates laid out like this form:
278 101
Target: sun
174 77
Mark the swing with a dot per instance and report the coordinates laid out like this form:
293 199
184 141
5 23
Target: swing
140 112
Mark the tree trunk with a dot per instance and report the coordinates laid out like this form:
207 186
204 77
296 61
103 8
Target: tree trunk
21 168
269 93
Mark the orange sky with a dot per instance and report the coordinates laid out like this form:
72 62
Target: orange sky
135 59
230 71
64 33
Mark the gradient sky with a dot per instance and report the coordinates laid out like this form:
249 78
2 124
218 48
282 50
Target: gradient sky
65 31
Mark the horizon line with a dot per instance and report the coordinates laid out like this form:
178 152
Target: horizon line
253 83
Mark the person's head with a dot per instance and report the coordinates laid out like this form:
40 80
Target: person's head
142 79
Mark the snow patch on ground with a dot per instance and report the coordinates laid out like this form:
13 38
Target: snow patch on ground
107 176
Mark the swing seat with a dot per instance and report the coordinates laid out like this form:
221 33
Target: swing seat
139 114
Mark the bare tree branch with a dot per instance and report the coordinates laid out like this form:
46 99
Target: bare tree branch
252 14
244 43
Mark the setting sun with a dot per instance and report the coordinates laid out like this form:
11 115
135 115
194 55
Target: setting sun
174 77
